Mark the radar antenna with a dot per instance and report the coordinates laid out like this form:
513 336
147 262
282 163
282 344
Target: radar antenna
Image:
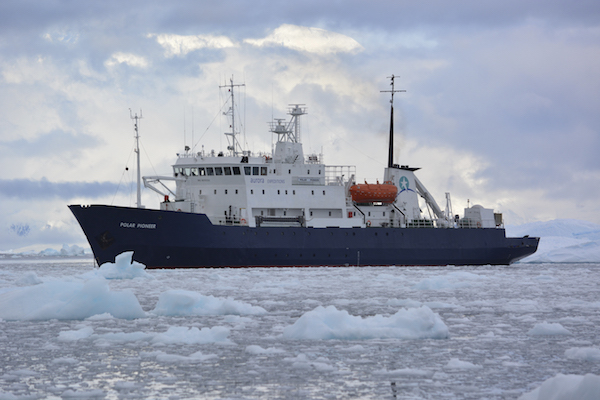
289 132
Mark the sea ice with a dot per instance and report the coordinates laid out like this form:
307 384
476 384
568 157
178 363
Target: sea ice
193 335
83 333
546 328
68 300
567 387
254 349
455 363
583 353
186 303
123 268
331 323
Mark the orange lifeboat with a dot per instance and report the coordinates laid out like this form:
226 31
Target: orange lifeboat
374 192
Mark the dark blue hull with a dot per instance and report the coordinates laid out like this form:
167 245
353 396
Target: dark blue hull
167 239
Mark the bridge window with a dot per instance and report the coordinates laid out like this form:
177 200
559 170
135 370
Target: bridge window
227 170
254 170
236 170
247 171
218 171
201 171
263 170
194 171
210 171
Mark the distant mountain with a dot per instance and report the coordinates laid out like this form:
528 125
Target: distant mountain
562 240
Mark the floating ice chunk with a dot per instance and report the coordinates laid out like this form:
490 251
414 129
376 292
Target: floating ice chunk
546 328
331 323
122 337
566 387
123 268
455 363
182 334
68 300
583 353
184 303
29 279
356 348
255 349
301 361
100 317
83 333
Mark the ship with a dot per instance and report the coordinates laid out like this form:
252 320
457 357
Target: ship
286 209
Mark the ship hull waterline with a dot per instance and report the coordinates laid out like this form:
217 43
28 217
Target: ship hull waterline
170 239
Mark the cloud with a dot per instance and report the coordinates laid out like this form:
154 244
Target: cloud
312 40
178 45
501 102
43 189
126 58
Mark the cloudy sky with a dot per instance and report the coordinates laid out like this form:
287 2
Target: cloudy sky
502 104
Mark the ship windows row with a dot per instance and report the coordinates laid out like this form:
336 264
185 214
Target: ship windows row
225 191
218 171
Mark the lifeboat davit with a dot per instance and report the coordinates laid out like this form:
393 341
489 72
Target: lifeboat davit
374 192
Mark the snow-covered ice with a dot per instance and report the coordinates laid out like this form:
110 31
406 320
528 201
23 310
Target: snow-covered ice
524 331
562 240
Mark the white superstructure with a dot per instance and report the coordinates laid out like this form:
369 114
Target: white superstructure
287 188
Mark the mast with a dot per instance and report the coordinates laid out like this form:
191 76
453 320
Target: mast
234 144
137 151
391 142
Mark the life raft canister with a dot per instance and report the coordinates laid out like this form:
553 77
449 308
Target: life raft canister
374 192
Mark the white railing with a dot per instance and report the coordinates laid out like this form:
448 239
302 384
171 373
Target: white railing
338 175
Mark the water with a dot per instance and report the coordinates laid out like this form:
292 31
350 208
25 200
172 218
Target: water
488 310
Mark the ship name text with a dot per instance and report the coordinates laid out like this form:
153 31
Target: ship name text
137 225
